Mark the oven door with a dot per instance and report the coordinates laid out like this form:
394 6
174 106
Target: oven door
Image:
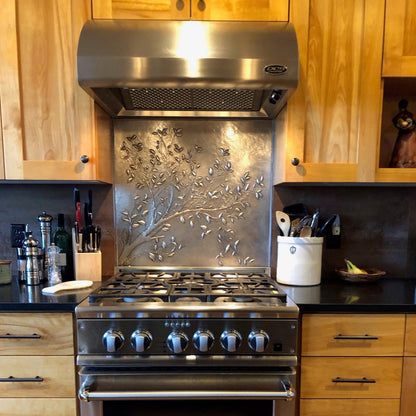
177 392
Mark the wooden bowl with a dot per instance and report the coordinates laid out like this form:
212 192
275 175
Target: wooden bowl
371 276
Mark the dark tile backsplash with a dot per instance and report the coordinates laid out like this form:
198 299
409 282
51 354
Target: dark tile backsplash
22 203
378 227
378 222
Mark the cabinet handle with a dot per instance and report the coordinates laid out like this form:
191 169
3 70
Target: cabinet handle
85 159
295 161
19 380
353 380
180 5
340 336
34 336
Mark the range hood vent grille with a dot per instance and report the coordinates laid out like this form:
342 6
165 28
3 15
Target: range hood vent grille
185 99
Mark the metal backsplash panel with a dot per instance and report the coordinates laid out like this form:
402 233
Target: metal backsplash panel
193 193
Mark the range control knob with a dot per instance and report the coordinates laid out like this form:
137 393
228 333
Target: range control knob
230 340
203 340
141 340
113 340
177 342
258 340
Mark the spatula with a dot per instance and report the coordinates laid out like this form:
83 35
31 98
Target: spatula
71 285
283 221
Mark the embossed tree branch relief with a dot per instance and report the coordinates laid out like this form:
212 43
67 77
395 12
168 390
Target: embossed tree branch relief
173 189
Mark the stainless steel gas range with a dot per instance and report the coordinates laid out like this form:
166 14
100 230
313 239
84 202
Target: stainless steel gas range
175 340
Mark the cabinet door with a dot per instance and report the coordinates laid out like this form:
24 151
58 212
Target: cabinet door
410 340
38 407
136 9
399 39
356 407
1 147
333 119
272 10
408 400
48 120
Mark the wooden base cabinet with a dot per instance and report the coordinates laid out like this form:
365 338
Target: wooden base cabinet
351 364
38 349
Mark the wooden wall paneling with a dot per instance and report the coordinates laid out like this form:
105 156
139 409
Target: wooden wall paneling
10 92
144 9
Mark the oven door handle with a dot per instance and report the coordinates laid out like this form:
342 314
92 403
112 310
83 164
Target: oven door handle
86 395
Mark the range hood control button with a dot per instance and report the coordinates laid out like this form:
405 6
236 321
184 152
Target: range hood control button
203 340
113 340
141 340
177 342
230 340
258 340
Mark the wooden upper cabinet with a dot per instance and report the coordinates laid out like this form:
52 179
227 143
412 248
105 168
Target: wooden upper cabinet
271 10
333 118
48 120
1 148
399 39
141 9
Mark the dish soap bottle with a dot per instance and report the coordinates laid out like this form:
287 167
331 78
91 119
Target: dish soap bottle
62 239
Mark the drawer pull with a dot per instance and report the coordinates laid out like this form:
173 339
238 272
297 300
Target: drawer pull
19 379
340 336
353 380
34 336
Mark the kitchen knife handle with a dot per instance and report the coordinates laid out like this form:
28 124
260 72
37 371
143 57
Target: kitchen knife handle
79 215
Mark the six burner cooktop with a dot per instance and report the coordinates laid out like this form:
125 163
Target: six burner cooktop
183 287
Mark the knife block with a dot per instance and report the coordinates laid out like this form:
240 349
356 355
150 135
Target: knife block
87 266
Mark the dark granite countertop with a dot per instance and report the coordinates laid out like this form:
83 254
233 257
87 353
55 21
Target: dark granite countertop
15 297
336 295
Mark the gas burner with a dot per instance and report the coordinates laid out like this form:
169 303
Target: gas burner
152 299
188 299
237 299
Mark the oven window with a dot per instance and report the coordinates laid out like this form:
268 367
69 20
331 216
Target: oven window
188 407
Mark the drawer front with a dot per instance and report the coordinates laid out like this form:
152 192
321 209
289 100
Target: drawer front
52 376
36 334
38 407
353 335
355 407
338 378
410 340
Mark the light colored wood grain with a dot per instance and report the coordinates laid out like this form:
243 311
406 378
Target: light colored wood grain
317 374
141 9
395 175
57 372
318 333
55 329
337 94
410 338
260 10
399 39
356 407
103 149
38 407
1 146
408 400
10 92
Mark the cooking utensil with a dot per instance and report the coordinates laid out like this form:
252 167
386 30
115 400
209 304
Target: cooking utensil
297 210
306 231
314 222
73 284
326 227
283 221
294 227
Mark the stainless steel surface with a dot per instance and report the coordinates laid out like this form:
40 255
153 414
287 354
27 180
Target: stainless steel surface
193 193
32 272
188 68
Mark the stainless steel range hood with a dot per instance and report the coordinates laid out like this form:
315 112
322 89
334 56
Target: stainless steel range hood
188 69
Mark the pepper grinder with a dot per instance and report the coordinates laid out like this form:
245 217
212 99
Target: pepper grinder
45 221
30 246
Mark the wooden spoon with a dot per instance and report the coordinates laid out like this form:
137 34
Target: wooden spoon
283 221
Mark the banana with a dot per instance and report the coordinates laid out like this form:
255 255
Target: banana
353 269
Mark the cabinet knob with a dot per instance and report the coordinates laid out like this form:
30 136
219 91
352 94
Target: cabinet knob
180 5
295 161
201 5
85 159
